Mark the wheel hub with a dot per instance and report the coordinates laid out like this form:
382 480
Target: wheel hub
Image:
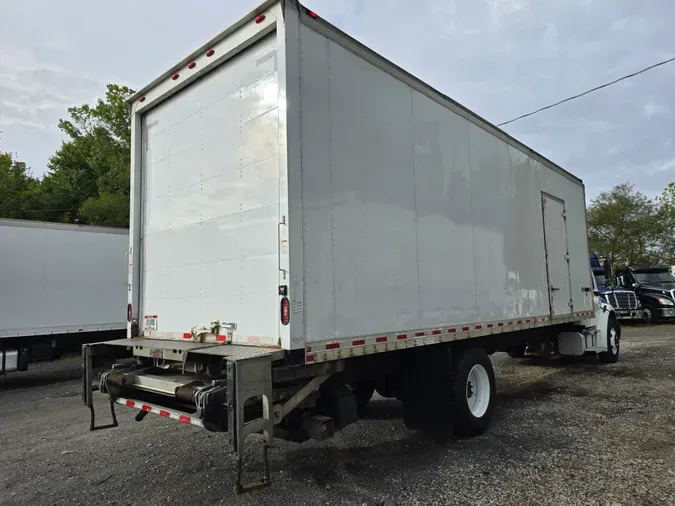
478 390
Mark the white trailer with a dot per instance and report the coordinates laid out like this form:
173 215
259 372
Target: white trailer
60 286
310 223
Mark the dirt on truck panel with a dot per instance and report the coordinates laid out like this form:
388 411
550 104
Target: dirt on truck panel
565 432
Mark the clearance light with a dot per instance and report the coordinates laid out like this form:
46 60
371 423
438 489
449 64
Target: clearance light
285 311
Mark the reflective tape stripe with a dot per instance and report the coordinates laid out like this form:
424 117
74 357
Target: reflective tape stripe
161 412
321 351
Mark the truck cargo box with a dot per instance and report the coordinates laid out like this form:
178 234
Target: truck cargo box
293 188
311 224
59 279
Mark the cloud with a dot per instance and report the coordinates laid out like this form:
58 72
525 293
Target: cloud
500 58
653 109
13 122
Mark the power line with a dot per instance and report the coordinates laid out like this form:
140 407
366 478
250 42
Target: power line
664 62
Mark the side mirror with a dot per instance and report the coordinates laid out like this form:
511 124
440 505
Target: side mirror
635 285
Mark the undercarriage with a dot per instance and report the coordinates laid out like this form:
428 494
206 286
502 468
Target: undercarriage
221 388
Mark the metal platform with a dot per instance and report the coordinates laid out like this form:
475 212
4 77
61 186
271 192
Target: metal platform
171 349
241 352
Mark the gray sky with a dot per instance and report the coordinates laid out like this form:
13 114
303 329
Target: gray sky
500 58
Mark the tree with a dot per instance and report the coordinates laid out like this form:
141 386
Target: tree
625 226
666 203
89 174
18 189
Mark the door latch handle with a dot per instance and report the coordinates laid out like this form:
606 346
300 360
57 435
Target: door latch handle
554 289
127 258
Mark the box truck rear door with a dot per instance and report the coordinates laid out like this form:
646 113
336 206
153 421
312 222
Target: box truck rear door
557 258
211 202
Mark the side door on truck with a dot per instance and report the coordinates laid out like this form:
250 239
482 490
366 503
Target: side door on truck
557 255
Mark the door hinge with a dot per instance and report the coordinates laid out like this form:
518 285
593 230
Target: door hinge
567 257
564 214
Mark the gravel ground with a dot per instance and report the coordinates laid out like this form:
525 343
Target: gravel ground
565 432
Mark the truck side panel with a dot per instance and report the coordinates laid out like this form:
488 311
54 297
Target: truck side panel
59 279
414 216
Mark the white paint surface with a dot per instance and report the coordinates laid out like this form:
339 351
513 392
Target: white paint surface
58 279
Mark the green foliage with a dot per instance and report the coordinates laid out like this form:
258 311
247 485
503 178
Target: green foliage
629 228
108 209
666 203
18 189
88 177
90 173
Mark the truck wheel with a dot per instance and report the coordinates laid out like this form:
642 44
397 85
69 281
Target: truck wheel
517 351
613 342
472 391
650 315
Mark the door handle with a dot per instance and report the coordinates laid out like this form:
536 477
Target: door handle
282 223
126 268
554 289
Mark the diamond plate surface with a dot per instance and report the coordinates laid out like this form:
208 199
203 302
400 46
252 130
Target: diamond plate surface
239 352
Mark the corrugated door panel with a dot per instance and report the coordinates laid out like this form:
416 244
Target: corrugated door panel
211 201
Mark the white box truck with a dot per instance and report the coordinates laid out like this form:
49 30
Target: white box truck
311 223
60 286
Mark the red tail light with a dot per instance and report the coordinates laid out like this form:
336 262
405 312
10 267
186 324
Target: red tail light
285 311
130 311
260 18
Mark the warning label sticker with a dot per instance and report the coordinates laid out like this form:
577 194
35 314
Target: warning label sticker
150 322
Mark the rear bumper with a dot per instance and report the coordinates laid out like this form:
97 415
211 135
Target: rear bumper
132 373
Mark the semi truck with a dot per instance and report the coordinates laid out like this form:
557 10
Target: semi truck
61 285
655 288
310 223
623 299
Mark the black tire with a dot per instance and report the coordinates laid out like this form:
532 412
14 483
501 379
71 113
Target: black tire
517 351
465 423
611 356
363 392
650 314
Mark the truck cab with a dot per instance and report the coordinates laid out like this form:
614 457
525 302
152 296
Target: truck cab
624 300
654 287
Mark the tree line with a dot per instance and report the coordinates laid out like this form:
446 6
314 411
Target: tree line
87 182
